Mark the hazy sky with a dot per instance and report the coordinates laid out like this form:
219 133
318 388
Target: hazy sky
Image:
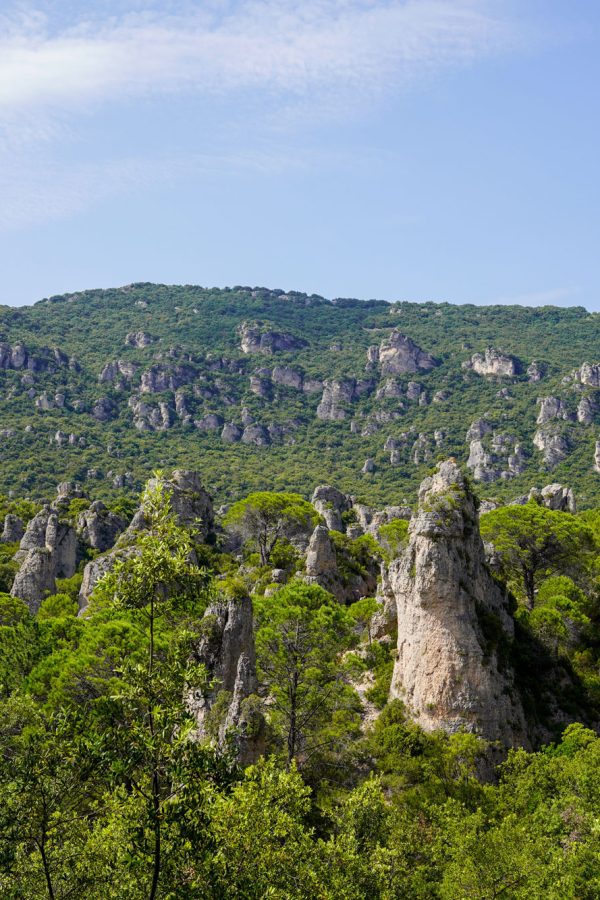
399 149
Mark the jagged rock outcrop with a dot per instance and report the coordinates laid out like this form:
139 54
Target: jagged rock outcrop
589 374
48 550
288 377
118 373
13 529
104 409
493 363
495 454
597 457
166 378
368 466
231 433
557 496
256 434
331 504
150 416
553 445
138 339
224 710
254 339
99 528
452 620
552 408
587 409
337 395
43 359
193 509
535 371
399 355
321 559
478 429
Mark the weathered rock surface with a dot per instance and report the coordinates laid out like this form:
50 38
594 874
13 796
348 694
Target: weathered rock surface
48 550
452 617
13 529
557 496
331 504
597 456
254 339
399 355
138 339
337 395
589 374
99 527
587 409
553 445
493 363
552 408
226 649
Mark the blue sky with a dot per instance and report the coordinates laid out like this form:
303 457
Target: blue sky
401 149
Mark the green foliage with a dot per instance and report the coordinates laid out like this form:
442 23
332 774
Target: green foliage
393 538
533 542
265 518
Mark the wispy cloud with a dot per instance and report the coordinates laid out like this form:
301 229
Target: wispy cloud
282 46
280 61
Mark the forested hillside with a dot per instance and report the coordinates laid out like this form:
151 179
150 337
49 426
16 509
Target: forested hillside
265 389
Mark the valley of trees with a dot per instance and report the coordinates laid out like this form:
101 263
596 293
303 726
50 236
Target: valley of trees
106 789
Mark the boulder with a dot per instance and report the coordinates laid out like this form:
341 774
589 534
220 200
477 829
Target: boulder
99 528
255 339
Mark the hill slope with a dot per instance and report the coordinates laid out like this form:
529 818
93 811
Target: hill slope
262 389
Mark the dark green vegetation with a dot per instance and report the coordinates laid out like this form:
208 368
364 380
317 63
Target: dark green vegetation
104 794
201 327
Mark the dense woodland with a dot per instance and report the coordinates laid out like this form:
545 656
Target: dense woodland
103 386
107 790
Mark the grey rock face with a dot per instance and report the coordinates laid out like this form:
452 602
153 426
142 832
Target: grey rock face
211 422
493 363
150 416
321 561
553 445
93 572
99 527
231 433
536 371
391 389
400 355
587 410
557 496
35 579
227 650
256 434
422 450
331 504
253 339
337 394
190 502
138 339
166 378
597 457
43 359
288 377
589 374
368 466
478 429
117 371
48 550
552 408
447 671
104 409
13 529
262 387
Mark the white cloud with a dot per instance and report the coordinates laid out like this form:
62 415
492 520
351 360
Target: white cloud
281 46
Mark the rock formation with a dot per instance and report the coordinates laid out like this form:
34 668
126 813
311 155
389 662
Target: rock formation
254 339
13 529
331 504
47 551
400 355
99 528
553 445
453 620
223 709
493 363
